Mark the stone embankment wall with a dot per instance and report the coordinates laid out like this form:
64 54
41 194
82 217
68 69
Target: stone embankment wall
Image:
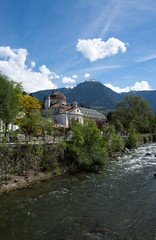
19 158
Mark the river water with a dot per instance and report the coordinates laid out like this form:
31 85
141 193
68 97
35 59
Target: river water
118 203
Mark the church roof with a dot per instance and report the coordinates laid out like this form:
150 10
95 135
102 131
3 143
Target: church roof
60 105
58 95
91 113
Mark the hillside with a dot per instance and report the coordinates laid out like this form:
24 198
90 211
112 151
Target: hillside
41 94
92 94
95 95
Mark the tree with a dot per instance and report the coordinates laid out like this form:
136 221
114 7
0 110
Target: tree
133 109
91 134
111 140
31 120
118 126
84 151
29 104
100 123
9 102
133 138
30 125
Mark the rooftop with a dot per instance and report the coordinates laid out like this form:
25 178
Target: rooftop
58 95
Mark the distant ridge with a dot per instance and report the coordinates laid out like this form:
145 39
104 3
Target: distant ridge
95 95
149 95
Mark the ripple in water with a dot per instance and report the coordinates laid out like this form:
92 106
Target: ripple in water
118 203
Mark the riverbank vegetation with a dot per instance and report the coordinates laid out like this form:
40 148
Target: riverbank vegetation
136 118
81 148
88 149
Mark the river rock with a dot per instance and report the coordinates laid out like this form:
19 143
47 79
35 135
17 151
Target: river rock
154 174
126 150
148 154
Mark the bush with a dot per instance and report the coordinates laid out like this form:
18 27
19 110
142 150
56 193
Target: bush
133 140
146 139
150 137
51 158
5 155
84 152
93 160
117 143
111 140
30 156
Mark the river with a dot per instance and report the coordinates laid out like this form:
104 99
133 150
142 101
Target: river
118 203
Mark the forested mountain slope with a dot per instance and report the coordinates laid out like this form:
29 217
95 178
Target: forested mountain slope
95 95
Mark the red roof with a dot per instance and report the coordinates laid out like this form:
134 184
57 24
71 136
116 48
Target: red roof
58 95
59 105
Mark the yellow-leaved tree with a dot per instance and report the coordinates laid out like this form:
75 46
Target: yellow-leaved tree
31 121
29 104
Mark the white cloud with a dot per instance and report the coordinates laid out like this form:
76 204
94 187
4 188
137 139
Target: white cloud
95 49
6 51
86 75
68 80
43 69
13 64
71 87
117 89
143 85
33 64
74 76
138 86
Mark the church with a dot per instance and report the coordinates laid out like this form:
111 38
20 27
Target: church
56 106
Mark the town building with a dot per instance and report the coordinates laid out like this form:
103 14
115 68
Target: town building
11 126
55 105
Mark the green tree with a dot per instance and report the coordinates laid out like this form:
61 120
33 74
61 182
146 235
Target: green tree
133 109
111 140
91 134
30 125
118 126
84 152
133 138
46 125
9 102
77 135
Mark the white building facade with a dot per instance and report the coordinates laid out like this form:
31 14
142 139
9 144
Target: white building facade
56 106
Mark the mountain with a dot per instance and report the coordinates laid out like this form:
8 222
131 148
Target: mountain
42 93
91 94
95 95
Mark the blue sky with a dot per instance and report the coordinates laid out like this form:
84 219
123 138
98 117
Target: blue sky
47 44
